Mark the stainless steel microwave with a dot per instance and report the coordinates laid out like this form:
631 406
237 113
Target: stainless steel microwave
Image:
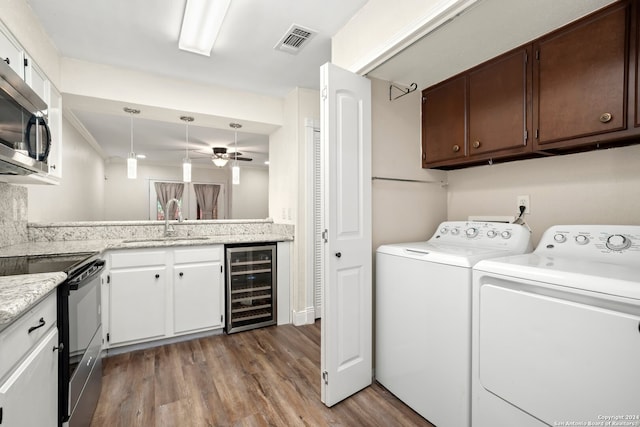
25 138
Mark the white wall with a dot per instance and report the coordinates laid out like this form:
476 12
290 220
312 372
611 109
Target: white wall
598 187
250 199
402 211
79 197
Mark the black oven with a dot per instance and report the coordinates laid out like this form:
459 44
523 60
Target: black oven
79 325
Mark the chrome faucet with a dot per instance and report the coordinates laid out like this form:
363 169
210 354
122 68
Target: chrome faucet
168 228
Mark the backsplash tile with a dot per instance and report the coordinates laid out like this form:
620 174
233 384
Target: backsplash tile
13 214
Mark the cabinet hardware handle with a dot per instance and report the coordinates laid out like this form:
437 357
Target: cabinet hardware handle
40 325
157 276
476 144
7 60
53 167
606 117
59 347
456 148
338 254
181 274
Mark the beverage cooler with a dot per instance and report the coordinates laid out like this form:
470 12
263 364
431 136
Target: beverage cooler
251 286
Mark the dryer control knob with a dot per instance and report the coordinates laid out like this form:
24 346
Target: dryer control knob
471 232
492 233
560 238
618 242
455 231
581 239
506 234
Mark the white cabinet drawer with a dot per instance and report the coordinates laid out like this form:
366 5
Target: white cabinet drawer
206 254
145 258
16 340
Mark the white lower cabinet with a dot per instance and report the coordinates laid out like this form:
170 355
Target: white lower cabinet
162 293
137 304
29 388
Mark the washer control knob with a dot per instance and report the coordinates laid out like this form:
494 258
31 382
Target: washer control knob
618 242
471 232
581 239
506 234
455 231
444 230
492 233
560 238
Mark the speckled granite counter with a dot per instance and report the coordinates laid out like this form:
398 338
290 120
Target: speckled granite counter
21 292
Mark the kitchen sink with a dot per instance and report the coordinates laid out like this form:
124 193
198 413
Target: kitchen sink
165 239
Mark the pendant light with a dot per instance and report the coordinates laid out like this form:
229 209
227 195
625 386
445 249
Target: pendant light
186 162
235 170
132 161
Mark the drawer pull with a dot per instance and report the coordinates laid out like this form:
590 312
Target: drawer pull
157 276
456 148
40 325
476 144
606 117
181 274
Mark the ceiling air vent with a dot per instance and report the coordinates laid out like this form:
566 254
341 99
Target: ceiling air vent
296 38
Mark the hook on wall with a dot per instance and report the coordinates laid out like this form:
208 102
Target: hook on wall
405 90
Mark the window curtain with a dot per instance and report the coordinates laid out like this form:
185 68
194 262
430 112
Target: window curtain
167 191
207 195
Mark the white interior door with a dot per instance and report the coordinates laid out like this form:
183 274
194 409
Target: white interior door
345 122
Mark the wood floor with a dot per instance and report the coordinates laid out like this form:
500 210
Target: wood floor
264 377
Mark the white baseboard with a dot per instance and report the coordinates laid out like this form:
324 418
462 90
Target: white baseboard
304 317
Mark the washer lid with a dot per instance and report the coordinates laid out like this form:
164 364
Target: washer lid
461 256
582 274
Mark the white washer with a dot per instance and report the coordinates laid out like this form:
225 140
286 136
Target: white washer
423 315
556 333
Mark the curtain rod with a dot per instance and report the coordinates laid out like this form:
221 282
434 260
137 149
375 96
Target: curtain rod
381 178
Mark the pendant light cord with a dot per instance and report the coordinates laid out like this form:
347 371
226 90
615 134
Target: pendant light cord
131 116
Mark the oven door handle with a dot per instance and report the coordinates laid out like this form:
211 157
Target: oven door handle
87 275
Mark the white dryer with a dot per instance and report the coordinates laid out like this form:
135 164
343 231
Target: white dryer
556 333
423 315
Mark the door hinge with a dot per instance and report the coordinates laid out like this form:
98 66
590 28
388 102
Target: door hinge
324 92
537 133
108 278
221 318
526 57
325 377
108 337
526 135
26 62
325 236
538 55
221 269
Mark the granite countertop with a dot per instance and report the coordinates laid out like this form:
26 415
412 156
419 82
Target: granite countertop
21 292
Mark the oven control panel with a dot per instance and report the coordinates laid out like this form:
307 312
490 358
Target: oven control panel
593 241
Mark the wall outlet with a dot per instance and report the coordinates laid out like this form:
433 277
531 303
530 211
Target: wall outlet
523 201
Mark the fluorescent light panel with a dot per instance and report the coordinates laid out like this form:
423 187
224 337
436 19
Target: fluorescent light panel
201 24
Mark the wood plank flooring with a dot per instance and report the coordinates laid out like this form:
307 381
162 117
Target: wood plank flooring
264 377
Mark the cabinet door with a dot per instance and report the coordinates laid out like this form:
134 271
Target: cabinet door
12 54
443 122
498 105
580 76
197 296
137 304
29 397
55 125
36 79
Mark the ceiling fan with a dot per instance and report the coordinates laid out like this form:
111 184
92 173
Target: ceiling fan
221 156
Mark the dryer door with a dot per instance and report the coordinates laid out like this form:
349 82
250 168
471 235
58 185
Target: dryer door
556 359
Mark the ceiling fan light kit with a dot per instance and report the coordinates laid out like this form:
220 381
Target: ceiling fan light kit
201 24
132 160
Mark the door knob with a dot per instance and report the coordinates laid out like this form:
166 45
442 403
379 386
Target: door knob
181 274
606 117
455 148
157 276
338 254
476 144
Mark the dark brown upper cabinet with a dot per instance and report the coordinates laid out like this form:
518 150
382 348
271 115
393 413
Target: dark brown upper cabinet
443 123
499 120
580 80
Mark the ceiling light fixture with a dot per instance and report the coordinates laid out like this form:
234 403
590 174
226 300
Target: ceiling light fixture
235 170
132 161
186 162
220 157
201 24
